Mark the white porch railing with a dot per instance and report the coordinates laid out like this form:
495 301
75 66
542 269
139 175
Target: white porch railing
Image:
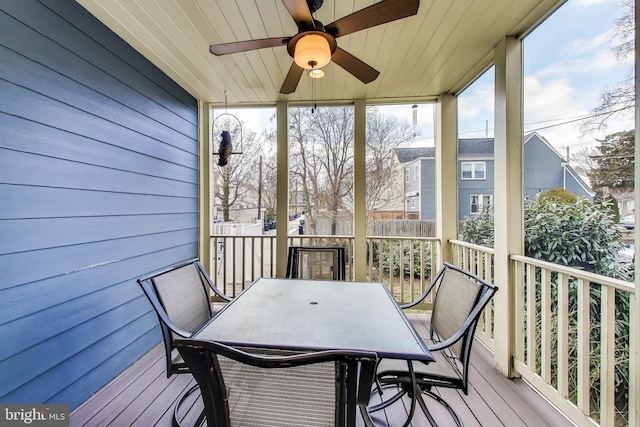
479 261
404 264
572 333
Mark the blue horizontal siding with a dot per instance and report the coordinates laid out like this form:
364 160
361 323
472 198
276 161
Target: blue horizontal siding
43 233
100 60
98 186
44 202
41 80
53 262
21 303
21 102
31 170
26 136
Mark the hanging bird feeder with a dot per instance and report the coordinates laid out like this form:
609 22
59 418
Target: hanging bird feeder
232 129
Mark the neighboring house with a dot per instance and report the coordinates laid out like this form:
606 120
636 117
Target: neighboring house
544 170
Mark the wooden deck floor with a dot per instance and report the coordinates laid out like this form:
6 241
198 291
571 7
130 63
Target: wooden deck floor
143 396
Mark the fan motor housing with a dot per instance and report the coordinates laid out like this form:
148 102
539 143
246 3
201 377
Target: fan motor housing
314 5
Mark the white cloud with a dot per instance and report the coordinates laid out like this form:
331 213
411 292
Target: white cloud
589 3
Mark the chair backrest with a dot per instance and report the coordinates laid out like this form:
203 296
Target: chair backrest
257 387
460 298
179 296
321 263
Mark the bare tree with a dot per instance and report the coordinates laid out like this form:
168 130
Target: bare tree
583 158
621 98
321 161
269 186
384 134
321 152
304 171
334 153
236 183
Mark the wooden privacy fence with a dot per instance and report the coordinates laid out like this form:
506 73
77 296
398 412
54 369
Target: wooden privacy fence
401 227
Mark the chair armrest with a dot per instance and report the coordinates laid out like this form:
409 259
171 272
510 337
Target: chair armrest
218 293
427 291
213 287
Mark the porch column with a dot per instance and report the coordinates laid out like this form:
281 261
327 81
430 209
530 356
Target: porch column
360 191
634 326
282 198
508 194
446 144
204 188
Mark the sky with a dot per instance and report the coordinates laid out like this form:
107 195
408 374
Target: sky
568 62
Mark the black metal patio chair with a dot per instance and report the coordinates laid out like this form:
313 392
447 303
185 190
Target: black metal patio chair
460 298
257 387
322 263
179 296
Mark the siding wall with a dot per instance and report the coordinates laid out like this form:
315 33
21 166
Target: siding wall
428 189
467 187
542 168
98 186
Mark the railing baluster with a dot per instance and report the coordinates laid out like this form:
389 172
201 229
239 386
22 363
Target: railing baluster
519 309
546 335
607 355
584 329
563 335
244 262
401 269
531 318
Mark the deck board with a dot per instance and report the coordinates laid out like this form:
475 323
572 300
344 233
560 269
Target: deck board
143 396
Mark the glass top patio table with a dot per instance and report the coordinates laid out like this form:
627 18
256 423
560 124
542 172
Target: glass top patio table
312 315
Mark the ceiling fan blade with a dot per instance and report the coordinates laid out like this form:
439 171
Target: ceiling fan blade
353 65
299 11
235 47
291 81
376 14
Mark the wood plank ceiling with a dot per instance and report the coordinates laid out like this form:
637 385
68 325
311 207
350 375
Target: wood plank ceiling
442 49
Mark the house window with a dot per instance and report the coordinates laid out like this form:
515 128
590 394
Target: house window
413 202
480 202
415 172
473 170
406 174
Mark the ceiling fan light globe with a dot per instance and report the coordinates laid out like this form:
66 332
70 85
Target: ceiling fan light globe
312 51
316 73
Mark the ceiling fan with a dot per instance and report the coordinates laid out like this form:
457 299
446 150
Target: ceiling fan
314 46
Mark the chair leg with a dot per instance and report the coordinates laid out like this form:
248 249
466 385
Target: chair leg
401 392
443 402
181 399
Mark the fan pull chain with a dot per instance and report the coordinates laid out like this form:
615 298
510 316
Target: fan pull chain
313 96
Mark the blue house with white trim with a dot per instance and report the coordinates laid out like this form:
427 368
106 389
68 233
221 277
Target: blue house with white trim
544 169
